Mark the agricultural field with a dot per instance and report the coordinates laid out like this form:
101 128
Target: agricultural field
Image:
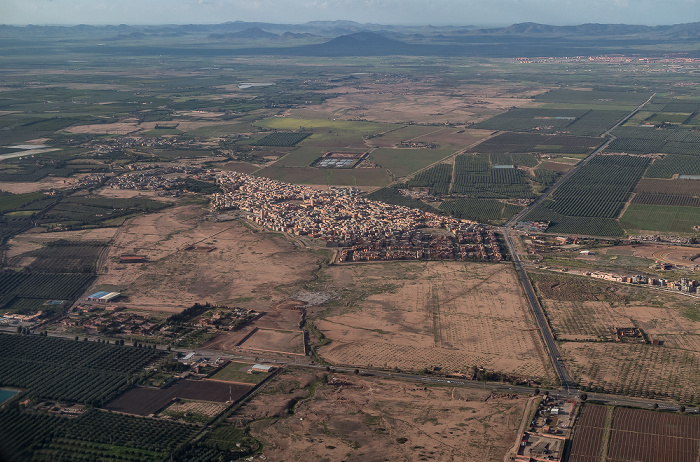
39 288
282 139
583 313
78 211
672 187
69 370
278 341
538 143
589 430
595 97
475 176
146 401
645 437
438 178
65 256
413 316
634 435
481 210
237 372
640 218
351 417
357 177
590 201
96 435
577 122
402 162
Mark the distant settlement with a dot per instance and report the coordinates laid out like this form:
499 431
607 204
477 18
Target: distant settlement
365 229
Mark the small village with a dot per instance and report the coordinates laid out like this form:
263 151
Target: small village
366 230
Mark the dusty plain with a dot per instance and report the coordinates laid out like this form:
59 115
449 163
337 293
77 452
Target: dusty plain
448 315
247 268
583 314
301 417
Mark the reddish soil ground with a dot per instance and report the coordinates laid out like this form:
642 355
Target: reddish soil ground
588 439
646 436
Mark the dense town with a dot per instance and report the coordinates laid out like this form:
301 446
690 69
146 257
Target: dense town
367 230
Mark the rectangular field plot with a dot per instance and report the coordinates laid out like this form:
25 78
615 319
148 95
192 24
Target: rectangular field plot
659 186
238 372
534 142
587 442
403 162
336 177
146 401
663 218
635 369
276 340
645 436
452 315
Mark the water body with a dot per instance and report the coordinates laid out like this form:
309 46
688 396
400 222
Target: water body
6 394
689 177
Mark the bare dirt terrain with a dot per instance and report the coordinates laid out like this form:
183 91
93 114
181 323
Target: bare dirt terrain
581 309
247 268
41 185
26 242
675 255
417 102
419 315
356 418
575 320
635 369
276 340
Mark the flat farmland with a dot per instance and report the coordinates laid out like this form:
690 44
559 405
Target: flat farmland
403 162
532 142
276 340
659 186
327 176
661 218
587 442
146 401
635 369
645 436
556 166
445 314
247 268
581 309
579 320
445 137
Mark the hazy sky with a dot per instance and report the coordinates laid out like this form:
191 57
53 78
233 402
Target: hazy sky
436 12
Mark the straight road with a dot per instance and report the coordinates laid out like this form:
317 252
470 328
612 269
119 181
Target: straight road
552 348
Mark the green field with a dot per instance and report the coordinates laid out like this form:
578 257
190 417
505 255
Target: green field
403 162
236 372
332 177
661 218
291 123
481 210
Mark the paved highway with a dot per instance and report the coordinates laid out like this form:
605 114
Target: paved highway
552 348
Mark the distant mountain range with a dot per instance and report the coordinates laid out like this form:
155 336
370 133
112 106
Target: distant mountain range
347 38
332 29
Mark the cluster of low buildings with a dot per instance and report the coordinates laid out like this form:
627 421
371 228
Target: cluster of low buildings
103 145
367 230
158 178
112 321
546 437
661 238
682 285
